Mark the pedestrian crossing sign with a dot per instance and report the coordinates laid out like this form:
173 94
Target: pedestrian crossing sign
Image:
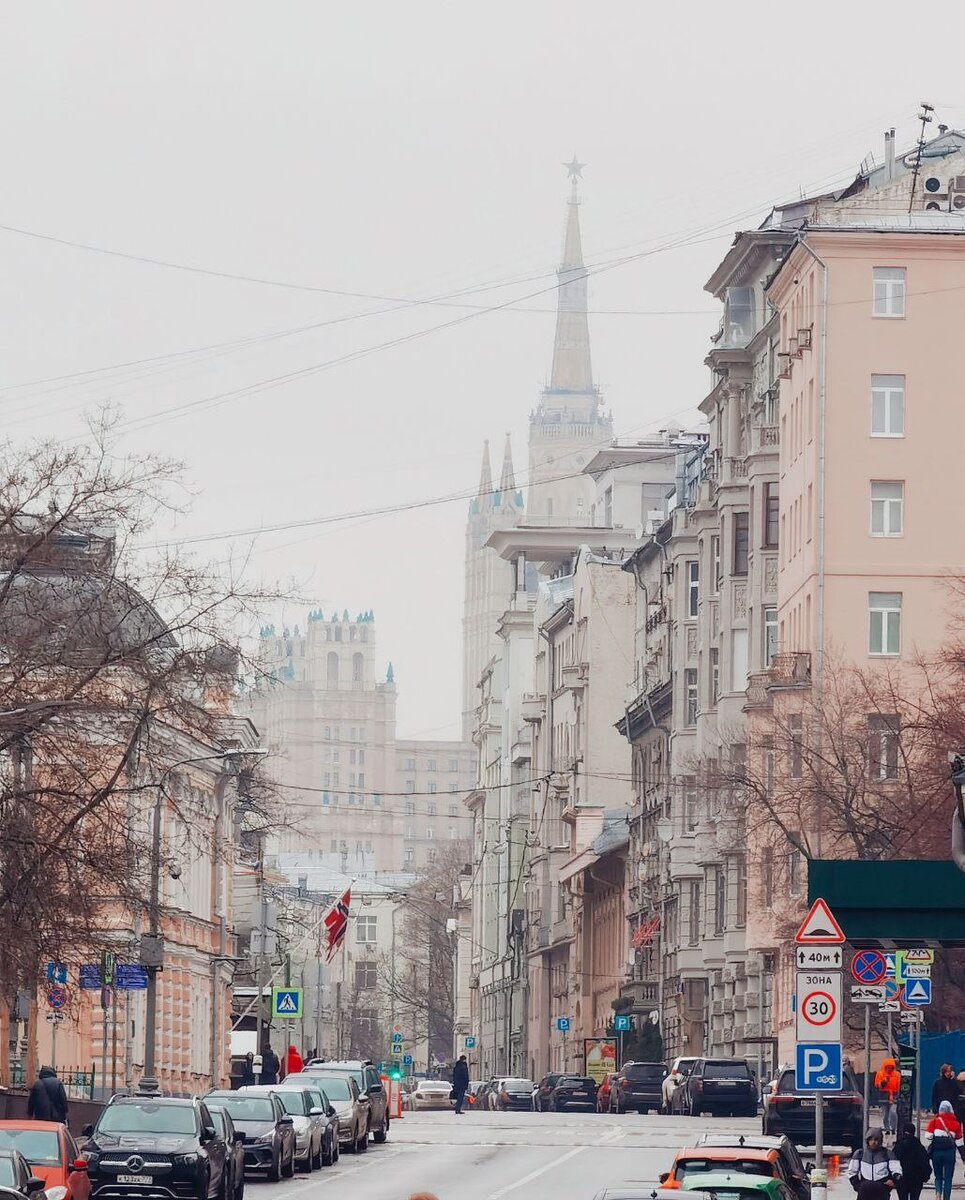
287 1003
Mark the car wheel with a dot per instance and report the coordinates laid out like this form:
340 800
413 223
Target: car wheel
274 1171
381 1134
288 1169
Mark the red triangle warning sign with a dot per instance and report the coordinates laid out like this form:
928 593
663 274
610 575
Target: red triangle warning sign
819 927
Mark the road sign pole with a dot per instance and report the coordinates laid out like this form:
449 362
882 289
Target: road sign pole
889 1032
818 1144
53 1043
918 1078
620 1065
867 1068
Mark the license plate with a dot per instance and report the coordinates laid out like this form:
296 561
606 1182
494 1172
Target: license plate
807 1103
145 1179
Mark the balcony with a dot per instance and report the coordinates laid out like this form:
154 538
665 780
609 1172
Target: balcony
575 675
532 706
790 668
766 437
736 468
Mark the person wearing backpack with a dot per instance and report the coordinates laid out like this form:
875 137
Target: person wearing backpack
915 1164
943 1136
873 1170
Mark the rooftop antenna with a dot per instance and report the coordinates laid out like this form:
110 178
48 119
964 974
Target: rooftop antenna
925 117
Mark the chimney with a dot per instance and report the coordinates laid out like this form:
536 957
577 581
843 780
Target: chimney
942 130
890 154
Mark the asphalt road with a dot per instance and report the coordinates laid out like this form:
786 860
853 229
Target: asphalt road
488 1156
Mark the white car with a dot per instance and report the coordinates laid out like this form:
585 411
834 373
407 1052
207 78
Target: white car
430 1093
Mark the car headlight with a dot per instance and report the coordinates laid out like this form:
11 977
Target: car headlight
56 1193
185 1160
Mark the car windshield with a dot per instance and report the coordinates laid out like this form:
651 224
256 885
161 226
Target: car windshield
786 1082
740 1166
39 1146
519 1085
293 1103
356 1075
246 1108
337 1089
726 1071
148 1118
644 1071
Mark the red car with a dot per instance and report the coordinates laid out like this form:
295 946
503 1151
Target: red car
603 1092
52 1154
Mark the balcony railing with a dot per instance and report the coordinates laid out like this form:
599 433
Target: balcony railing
532 706
790 667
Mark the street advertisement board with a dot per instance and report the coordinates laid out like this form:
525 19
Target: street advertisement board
599 1058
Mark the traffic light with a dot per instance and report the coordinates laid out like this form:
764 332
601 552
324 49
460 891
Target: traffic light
395 1072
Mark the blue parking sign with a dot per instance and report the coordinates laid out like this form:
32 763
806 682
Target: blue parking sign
563 1024
818 1066
407 1060
621 1024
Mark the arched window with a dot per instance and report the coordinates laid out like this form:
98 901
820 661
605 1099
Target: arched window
358 668
351 633
338 633
364 635
332 669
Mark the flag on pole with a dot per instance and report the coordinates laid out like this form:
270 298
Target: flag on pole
336 923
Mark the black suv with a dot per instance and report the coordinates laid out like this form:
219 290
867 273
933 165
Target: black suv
269 1132
719 1085
156 1148
366 1075
638 1085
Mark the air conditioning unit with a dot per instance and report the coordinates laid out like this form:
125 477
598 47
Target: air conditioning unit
936 194
956 194
804 339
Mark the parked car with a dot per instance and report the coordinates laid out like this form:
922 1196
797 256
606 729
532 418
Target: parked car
234 1141
351 1106
366 1075
638 1085
788 1111
572 1091
543 1089
53 1156
603 1092
141 1146
742 1160
795 1171
431 1093
268 1130
298 1104
515 1094
472 1092
719 1086
728 1185
15 1172
325 1115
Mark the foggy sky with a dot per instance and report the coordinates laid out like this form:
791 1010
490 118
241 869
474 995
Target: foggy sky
403 151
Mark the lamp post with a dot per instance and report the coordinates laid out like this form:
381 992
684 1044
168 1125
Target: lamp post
152 951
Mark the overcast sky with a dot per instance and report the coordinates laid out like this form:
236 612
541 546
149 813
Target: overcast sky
408 152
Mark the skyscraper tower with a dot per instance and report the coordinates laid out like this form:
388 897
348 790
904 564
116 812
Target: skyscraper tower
489 578
568 424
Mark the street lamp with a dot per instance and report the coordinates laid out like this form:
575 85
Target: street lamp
151 955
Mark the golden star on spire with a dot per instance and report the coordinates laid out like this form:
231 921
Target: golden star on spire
575 168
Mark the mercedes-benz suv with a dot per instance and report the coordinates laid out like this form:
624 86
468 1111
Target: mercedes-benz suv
155 1148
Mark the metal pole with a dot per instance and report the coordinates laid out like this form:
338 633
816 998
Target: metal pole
113 1041
149 1082
53 1041
867 1069
105 1005
819 1132
918 1075
260 977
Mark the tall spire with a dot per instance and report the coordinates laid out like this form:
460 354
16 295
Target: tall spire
486 474
572 371
507 480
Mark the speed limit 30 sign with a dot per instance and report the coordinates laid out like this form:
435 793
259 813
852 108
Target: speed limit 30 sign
818 1006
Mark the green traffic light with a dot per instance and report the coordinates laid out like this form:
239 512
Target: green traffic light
395 1072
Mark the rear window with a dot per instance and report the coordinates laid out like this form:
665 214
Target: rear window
245 1108
293 1103
786 1082
644 1071
519 1084
36 1145
726 1071
574 1080
703 1166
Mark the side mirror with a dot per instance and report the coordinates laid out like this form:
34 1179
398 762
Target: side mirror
286 1120
664 1177
87 1131
34 1184
376 1089
239 1138
316 1112
332 1112
79 1164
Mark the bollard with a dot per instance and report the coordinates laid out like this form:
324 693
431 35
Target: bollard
819 1185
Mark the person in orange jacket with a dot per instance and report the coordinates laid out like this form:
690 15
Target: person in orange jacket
888 1082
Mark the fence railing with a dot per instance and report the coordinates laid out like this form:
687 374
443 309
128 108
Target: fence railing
78 1082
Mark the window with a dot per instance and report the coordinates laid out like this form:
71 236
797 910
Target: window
409 857
410 785
453 764
690 803
453 810
795 724
431 787
715 564
794 872
693 921
431 764
772 514
332 669
376 799
366 975
431 809
883 746
690 691
740 871
741 534
887 405
452 833
888 285
714 676
409 808
770 635
365 928
358 668
430 833
608 507
884 622
720 900
361 780
738 646
887 503
431 855
453 787
693 588
767 877
410 764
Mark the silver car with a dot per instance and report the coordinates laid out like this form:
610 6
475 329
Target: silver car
307 1118
351 1106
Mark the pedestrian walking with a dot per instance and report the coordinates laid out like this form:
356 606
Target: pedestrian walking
460 1083
293 1061
888 1082
943 1136
945 1087
873 1170
915 1164
47 1100
269 1064
248 1070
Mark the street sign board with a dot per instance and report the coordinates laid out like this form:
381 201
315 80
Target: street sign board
818 958
889 1006
911 1016
56 973
396 1037
819 927
130 977
90 976
56 996
889 966
915 971
818 1068
469 1043
407 1060
919 954
286 1003
867 993
563 1024
868 966
621 1023
917 992
396 1051
892 990
818 1006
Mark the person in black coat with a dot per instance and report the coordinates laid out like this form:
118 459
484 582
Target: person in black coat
915 1164
269 1065
47 1100
946 1087
460 1083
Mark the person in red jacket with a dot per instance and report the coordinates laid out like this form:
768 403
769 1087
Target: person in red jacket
293 1061
943 1137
